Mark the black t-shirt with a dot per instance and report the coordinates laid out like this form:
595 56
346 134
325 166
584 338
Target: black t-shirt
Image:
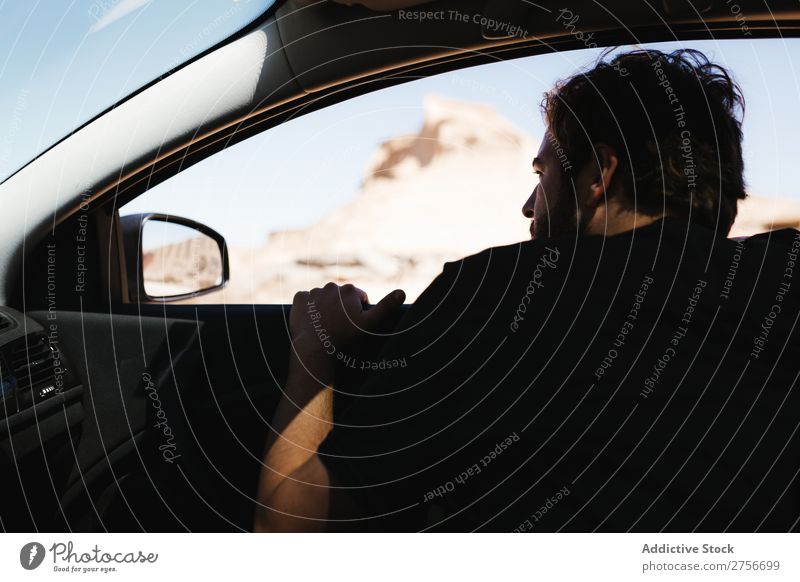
645 381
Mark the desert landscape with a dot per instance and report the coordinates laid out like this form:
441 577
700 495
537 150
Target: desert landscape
451 189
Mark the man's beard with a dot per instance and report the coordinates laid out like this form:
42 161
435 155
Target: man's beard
563 217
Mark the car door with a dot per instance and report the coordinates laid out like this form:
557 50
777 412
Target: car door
138 417
83 384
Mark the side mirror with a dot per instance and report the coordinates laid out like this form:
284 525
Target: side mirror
169 258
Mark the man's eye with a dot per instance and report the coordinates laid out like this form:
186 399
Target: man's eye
537 172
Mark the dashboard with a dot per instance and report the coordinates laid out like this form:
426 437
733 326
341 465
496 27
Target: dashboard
41 413
32 368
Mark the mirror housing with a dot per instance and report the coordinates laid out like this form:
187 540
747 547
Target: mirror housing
204 272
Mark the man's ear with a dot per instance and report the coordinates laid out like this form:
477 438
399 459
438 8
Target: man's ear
607 163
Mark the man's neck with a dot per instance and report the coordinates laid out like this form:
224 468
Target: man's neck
613 221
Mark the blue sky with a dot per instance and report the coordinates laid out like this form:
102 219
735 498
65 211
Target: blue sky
62 63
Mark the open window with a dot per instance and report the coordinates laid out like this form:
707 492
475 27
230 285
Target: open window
382 189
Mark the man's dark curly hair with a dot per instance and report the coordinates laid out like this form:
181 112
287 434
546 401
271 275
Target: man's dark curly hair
675 122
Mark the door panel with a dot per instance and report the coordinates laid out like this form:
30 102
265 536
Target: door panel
163 425
218 395
178 401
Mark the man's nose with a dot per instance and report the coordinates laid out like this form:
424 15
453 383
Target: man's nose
527 208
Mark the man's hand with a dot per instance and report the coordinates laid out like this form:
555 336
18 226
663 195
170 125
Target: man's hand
324 322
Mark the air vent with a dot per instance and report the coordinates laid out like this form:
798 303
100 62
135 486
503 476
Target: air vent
5 323
8 386
31 361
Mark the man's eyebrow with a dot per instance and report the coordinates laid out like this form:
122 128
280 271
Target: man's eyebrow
536 161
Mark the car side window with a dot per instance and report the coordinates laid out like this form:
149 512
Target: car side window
381 190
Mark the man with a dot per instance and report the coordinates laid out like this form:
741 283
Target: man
629 368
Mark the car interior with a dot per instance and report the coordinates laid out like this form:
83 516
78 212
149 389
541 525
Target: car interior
95 360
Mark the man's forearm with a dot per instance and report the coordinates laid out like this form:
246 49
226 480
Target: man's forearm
303 418
295 491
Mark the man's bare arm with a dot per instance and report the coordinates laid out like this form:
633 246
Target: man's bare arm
302 421
294 489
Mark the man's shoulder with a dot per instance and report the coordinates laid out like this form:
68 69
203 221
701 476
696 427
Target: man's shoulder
773 238
512 254
487 256
596 258
576 251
